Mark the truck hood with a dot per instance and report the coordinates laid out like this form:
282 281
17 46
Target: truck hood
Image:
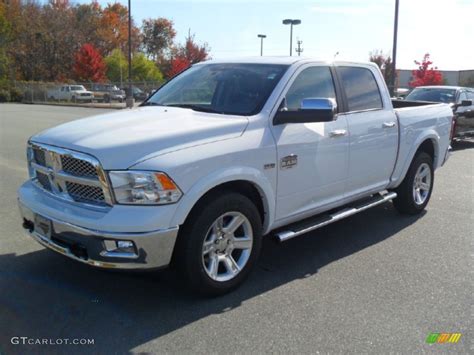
122 139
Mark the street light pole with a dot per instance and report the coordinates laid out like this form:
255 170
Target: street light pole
261 43
291 23
394 53
129 99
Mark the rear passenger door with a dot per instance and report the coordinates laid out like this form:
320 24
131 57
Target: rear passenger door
373 130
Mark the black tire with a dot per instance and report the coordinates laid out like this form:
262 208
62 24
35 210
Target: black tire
189 248
405 201
106 99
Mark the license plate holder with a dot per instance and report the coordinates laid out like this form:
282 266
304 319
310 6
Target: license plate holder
43 226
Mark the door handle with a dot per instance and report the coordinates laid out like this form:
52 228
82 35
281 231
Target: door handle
338 133
388 124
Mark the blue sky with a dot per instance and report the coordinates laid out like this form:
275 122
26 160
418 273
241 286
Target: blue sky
353 28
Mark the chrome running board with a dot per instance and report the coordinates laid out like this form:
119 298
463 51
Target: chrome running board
319 221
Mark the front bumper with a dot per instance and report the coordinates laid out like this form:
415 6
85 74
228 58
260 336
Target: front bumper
153 250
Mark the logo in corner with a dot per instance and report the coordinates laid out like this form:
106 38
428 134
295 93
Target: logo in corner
442 338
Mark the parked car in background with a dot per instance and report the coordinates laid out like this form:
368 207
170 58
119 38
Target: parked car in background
138 94
74 93
223 154
108 93
461 100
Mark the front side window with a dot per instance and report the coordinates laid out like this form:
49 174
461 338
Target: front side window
362 91
462 97
311 83
238 89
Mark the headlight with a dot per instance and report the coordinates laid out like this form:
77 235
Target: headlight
143 188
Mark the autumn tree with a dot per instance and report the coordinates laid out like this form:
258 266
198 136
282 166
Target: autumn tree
89 64
384 62
113 29
5 28
88 20
184 56
157 37
193 51
426 74
178 65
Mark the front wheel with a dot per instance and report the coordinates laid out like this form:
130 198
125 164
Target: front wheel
219 243
414 192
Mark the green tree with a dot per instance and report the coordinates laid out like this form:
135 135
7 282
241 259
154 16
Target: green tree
117 66
144 69
4 38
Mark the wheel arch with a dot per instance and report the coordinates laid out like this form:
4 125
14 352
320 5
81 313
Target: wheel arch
428 143
251 183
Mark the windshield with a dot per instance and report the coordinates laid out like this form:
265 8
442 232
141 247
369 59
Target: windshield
433 94
78 88
238 89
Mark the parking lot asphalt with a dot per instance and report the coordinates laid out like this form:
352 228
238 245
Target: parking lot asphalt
376 282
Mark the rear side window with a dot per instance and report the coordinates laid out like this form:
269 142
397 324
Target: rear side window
362 91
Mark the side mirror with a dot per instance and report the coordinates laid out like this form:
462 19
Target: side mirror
311 110
466 103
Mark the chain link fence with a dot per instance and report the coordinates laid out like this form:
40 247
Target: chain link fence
106 95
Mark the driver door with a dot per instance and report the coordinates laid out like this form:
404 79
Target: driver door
312 157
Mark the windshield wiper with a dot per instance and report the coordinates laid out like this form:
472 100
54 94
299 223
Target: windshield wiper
195 108
150 103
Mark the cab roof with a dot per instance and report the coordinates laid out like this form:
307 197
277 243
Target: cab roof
283 60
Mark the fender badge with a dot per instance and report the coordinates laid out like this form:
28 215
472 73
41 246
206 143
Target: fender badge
269 166
289 161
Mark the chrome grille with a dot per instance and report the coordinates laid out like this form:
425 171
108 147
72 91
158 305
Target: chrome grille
39 157
77 167
85 193
43 180
69 175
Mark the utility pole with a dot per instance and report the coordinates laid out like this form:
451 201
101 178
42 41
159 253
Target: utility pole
394 53
299 50
129 100
261 43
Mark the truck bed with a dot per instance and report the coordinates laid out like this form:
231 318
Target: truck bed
407 103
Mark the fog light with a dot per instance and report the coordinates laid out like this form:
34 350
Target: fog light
119 249
125 246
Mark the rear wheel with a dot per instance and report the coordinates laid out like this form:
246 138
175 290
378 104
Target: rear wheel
414 192
219 243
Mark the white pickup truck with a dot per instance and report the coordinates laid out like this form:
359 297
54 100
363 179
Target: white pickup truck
223 154
74 93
